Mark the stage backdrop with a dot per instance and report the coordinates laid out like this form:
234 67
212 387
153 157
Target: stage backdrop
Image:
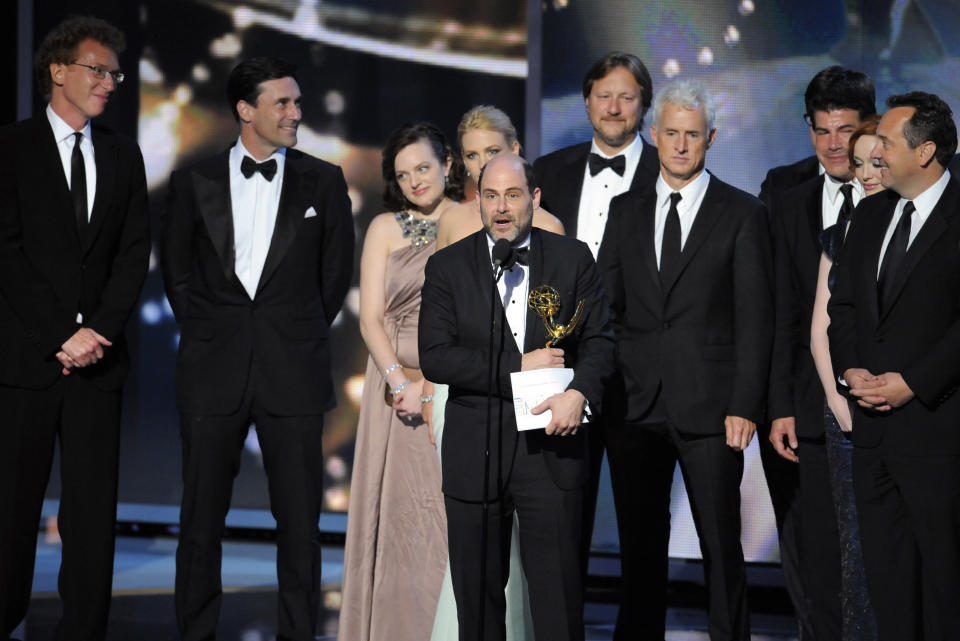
757 57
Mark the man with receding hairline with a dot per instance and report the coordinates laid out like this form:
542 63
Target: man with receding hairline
74 251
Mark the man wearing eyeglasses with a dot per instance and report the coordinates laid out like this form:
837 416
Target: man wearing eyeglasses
74 251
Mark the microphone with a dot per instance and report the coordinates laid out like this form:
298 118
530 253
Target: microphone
501 254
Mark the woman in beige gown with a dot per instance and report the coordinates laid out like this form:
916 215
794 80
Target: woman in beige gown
396 548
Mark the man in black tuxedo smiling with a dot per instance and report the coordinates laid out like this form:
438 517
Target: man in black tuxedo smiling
74 250
538 473
257 255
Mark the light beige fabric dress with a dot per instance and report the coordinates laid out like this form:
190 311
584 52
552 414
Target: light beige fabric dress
396 548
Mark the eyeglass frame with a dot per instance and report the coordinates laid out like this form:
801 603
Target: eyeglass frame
101 73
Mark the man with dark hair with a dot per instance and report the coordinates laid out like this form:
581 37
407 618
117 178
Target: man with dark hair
577 184
837 100
538 473
895 349
257 257
74 251
686 269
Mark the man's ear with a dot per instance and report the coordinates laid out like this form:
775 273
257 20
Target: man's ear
245 111
57 69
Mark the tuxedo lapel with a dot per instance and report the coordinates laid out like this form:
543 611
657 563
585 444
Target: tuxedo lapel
932 229
647 169
814 214
290 214
644 220
483 269
874 243
48 159
213 201
706 218
571 179
105 155
534 334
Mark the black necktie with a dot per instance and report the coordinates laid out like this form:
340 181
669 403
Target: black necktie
598 163
78 183
846 209
896 250
670 248
249 167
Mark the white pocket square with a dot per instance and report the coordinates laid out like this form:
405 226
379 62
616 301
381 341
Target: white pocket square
310 213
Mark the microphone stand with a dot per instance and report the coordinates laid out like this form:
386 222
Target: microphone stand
500 262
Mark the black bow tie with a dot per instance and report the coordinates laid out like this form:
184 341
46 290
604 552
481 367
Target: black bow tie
598 163
521 255
249 167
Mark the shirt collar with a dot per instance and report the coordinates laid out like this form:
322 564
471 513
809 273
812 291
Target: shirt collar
239 151
927 200
630 154
832 186
61 130
688 195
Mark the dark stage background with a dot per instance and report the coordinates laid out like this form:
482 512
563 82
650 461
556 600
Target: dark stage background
367 66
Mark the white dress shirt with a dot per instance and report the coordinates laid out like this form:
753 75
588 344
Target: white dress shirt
691 197
599 190
514 288
924 204
254 201
832 198
63 134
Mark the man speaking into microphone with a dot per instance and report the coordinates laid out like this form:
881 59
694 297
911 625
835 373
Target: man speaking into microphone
539 473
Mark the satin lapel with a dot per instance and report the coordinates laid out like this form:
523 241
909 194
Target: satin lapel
647 168
290 213
707 217
213 201
644 220
814 213
534 335
105 155
874 244
572 179
932 230
48 161
483 270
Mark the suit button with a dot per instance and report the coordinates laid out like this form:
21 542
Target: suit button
666 325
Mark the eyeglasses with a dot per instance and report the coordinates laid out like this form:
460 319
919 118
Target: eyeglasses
101 73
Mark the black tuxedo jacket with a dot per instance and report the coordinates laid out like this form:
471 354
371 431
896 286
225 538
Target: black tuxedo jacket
704 340
282 335
454 349
560 177
782 178
796 220
48 273
917 335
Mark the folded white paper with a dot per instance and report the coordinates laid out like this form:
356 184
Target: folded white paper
531 388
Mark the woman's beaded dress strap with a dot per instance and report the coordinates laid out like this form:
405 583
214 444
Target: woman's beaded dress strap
420 232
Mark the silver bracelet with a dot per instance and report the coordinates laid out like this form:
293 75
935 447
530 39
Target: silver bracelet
426 398
392 368
399 388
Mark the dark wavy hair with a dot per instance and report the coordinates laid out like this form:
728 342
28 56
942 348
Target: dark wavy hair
60 45
631 63
840 88
932 120
244 81
393 198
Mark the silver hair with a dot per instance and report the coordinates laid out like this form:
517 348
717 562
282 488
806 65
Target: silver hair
689 94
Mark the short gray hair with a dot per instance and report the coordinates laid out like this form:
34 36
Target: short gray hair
689 94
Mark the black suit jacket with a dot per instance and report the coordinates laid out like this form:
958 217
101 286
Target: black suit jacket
48 273
283 333
454 349
781 178
705 340
796 220
917 335
560 177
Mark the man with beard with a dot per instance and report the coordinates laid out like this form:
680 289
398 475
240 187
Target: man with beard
537 473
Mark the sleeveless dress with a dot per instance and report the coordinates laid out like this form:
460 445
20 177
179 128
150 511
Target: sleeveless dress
858 621
396 547
519 620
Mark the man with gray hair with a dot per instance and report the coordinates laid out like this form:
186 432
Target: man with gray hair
686 266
